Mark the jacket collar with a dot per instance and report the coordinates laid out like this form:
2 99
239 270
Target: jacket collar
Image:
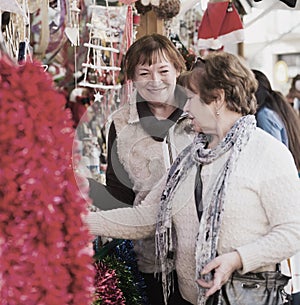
133 113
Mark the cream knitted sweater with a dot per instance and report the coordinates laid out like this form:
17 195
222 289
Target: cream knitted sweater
261 218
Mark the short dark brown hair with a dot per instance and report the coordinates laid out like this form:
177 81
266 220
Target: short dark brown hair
148 49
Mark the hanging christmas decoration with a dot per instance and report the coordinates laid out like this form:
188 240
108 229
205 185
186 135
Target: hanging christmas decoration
12 6
105 30
106 286
136 18
40 26
220 24
166 9
142 9
97 97
16 35
110 31
144 6
118 256
135 293
45 253
48 28
125 280
72 30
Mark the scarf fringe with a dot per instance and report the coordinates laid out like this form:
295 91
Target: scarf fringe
163 263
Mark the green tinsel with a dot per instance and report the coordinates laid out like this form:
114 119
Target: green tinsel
116 270
125 280
106 286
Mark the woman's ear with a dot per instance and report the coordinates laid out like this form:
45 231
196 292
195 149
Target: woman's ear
220 100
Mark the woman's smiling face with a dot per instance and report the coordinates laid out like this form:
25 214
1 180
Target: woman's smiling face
156 82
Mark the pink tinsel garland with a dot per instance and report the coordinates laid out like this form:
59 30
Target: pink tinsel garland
44 247
106 283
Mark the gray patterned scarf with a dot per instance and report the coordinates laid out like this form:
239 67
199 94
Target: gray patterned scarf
206 244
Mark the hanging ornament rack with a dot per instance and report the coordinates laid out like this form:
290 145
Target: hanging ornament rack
100 47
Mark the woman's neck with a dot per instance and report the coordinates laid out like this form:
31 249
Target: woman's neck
224 124
161 110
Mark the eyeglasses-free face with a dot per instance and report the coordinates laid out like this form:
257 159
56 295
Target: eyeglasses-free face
156 83
202 115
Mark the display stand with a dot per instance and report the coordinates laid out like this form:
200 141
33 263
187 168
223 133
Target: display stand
150 23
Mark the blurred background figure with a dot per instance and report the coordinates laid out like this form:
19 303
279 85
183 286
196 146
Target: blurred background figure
276 116
294 94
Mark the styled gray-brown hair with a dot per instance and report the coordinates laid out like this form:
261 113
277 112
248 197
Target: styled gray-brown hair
226 71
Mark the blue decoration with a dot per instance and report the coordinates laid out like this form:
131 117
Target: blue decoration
119 255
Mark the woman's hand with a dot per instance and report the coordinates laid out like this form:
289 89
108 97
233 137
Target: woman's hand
222 266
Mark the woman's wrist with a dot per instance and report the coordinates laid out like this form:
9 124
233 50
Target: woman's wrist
238 260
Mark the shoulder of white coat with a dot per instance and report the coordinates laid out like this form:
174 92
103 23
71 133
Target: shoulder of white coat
266 150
